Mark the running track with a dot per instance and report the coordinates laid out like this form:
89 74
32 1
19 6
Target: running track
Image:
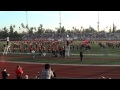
64 71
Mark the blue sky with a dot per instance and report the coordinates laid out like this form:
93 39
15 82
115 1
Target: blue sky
50 19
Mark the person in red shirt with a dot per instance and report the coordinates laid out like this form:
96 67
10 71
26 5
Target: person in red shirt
14 49
49 49
19 72
34 49
40 50
25 50
44 50
30 49
20 49
56 50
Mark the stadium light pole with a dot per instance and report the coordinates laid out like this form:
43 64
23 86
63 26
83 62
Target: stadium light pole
27 20
98 22
60 20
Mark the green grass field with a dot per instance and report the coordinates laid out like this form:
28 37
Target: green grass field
105 59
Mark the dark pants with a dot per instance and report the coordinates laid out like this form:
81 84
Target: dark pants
7 42
81 58
63 54
19 77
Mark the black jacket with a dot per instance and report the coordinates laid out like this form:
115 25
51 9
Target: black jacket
4 75
81 54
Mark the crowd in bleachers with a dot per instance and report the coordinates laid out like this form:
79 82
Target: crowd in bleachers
81 36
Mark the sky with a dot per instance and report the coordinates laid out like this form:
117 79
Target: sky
51 19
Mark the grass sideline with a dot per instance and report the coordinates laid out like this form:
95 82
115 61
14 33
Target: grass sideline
87 60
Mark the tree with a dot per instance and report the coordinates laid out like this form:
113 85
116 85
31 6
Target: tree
16 34
62 30
73 27
13 26
68 31
41 26
11 31
35 28
114 28
23 32
40 29
117 31
110 30
23 26
19 30
48 30
5 32
31 30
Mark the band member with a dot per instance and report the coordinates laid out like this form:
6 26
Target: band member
36 45
44 49
6 49
56 50
30 49
8 40
53 51
63 51
4 45
3 49
9 50
49 49
33 54
34 49
25 50
14 49
20 49
40 50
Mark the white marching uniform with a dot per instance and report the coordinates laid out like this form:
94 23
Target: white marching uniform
8 39
6 49
33 54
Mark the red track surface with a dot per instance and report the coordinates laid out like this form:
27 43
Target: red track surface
64 70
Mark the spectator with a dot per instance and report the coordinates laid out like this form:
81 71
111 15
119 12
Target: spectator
81 55
108 77
5 74
19 72
26 76
37 77
47 73
53 73
102 77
